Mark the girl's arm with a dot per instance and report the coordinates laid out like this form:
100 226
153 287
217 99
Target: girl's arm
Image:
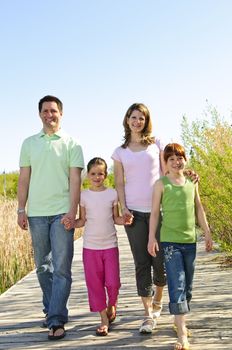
153 246
120 188
80 222
118 220
202 221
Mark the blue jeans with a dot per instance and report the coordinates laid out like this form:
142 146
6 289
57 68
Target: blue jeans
179 261
53 253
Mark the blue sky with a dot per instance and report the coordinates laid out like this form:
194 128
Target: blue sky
101 56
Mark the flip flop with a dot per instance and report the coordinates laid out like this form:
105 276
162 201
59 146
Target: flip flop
189 333
102 331
54 330
181 346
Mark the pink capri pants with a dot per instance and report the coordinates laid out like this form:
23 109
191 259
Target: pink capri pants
102 277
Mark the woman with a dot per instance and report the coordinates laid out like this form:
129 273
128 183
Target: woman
137 165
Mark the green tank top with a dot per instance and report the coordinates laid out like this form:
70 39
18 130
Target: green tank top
178 210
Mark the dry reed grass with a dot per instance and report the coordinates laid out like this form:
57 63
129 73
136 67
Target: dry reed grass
16 257
16 254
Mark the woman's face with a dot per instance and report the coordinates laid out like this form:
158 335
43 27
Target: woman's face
136 121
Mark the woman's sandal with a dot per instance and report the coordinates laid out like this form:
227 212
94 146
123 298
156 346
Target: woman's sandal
111 315
102 331
157 308
54 329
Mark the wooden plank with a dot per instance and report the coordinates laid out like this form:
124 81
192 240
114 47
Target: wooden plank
209 320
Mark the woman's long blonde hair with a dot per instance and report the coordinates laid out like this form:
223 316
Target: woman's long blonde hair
147 139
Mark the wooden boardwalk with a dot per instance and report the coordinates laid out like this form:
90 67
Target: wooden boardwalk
210 319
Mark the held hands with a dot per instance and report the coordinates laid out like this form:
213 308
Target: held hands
127 216
68 221
153 246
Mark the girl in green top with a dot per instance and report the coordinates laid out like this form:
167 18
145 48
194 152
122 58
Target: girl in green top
180 203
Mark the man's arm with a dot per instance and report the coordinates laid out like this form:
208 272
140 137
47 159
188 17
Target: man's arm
23 188
74 192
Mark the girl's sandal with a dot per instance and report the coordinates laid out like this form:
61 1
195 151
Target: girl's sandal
181 346
189 333
112 315
102 331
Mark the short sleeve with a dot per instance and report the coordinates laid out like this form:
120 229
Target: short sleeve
76 156
24 160
116 154
82 199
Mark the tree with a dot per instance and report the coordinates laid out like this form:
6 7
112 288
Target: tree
209 145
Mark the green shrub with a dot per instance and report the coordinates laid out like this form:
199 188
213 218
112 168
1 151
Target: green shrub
209 144
8 184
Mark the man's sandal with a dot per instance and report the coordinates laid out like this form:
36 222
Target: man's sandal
102 331
55 330
157 308
147 325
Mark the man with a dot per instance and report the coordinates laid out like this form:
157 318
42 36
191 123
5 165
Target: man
49 182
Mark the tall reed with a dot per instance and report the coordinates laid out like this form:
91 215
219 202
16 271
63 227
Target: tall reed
16 256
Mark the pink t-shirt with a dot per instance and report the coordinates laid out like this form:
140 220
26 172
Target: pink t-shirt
141 170
99 231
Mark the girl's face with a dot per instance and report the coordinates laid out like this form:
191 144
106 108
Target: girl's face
97 175
136 121
176 163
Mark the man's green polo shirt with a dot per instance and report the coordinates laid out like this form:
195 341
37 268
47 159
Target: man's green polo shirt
50 159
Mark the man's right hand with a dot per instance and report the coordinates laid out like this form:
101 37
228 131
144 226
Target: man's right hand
22 221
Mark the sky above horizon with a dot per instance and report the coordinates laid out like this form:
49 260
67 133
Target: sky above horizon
101 56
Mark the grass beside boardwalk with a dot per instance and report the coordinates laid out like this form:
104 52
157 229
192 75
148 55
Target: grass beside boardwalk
16 255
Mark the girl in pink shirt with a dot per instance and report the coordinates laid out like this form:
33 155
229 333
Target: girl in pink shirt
99 213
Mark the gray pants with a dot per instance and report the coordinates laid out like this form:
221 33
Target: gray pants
149 270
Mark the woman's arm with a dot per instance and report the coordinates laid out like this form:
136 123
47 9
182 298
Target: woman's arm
120 220
120 188
163 166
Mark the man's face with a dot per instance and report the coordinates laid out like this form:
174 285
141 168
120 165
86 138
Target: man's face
50 116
